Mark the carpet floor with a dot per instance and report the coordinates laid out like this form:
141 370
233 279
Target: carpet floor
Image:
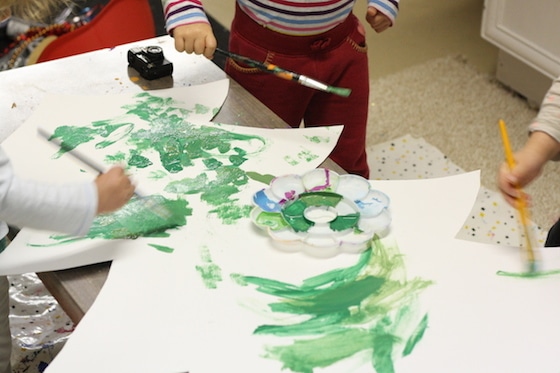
456 109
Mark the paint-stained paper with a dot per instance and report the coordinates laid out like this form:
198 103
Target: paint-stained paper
214 293
421 300
172 151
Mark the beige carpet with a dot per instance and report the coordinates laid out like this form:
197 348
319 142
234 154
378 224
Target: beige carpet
455 109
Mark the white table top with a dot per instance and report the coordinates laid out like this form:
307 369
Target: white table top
98 72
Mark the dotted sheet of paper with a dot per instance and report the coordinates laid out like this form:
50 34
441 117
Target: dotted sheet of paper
491 220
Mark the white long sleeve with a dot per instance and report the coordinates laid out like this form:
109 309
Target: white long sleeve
68 208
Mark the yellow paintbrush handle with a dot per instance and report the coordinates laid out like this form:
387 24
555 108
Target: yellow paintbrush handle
521 201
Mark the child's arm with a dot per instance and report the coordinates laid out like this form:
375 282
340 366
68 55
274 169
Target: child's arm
529 163
189 26
66 208
542 146
381 14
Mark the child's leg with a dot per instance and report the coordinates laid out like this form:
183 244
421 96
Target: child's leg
5 334
345 66
323 57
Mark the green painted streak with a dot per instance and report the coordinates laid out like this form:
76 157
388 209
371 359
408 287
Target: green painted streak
416 336
116 158
337 299
320 198
307 156
72 137
149 216
291 161
163 249
383 345
157 175
265 179
194 185
272 220
344 222
139 161
201 109
212 163
305 355
353 309
318 139
529 274
293 215
231 213
210 273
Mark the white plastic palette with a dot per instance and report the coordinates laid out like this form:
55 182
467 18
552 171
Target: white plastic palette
321 213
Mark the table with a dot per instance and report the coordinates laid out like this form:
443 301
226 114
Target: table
106 71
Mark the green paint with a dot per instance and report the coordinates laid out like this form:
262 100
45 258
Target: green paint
365 307
291 160
156 175
307 156
163 249
149 216
344 92
167 144
294 213
344 222
210 273
201 109
273 220
318 139
194 185
265 179
230 213
119 157
529 274
302 156
416 336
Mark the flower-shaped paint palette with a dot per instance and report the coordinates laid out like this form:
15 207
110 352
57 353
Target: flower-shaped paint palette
321 213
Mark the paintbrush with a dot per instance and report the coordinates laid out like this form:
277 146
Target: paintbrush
288 75
521 203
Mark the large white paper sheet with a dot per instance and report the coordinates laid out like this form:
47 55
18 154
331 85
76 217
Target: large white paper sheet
266 151
186 312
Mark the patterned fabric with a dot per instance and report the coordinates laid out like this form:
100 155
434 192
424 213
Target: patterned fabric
301 17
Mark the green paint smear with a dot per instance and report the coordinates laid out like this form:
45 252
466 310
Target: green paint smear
210 273
148 216
529 274
265 179
369 306
318 139
231 213
167 144
163 249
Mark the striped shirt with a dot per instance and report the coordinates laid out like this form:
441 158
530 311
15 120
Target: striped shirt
292 17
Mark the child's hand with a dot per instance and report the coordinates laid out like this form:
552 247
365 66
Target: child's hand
529 163
197 38
114 189
377 20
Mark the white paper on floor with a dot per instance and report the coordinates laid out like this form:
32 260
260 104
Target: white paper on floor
491 219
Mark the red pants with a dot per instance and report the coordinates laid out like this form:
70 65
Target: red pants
337 57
